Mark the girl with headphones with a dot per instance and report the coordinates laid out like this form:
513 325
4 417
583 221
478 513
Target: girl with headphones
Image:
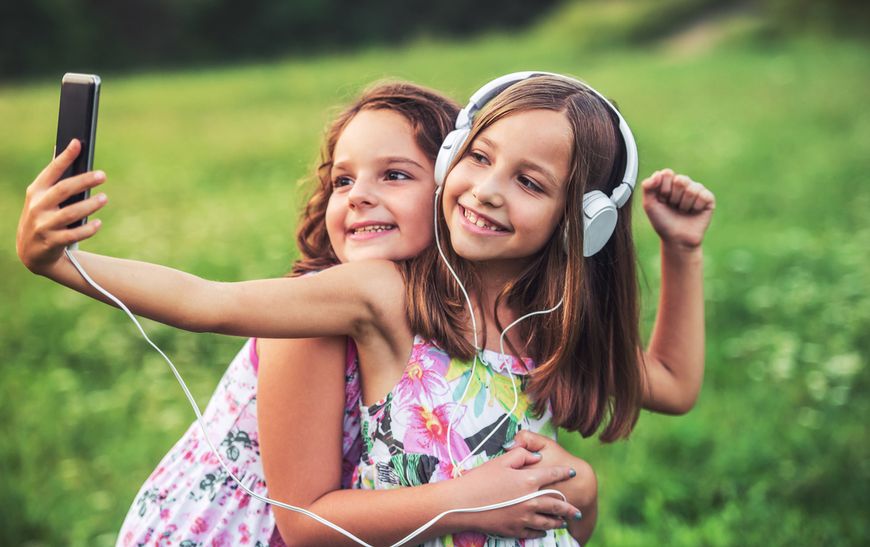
538 239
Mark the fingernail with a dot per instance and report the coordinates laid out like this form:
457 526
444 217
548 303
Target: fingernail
509 444
578 515
563 525
99 175
538 454
572 473
97 223
102 198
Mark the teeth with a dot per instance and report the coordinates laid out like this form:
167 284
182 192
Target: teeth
479 222
374 228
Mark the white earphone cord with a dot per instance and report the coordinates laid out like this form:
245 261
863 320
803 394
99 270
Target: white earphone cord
457 466
264 499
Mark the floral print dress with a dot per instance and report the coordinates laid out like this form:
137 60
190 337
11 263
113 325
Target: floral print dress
190 500
405 435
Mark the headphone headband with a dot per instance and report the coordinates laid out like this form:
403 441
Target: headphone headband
490 90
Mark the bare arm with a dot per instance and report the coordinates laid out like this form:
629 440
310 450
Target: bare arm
300 407
680 211
346 299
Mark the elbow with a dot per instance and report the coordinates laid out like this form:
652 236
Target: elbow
296 533
299 530
683 405
672 404
682 409
202 311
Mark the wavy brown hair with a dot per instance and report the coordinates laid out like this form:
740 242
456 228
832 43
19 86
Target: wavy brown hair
587 350
431 116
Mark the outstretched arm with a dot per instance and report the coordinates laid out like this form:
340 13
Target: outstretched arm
679 210
271 308
300 414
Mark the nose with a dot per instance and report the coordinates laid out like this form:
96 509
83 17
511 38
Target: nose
487 189
363 193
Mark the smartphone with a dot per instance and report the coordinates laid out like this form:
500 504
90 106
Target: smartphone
77 119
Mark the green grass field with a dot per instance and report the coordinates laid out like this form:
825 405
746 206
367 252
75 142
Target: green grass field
204 169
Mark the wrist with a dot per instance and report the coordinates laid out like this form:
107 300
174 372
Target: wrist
681 251
52 269
455 494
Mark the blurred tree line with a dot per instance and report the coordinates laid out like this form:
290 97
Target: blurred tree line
39 36
42 35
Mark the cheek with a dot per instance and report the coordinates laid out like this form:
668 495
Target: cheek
334 220
539 224
417 222
448 198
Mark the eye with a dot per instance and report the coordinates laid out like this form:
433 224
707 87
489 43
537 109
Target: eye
478 157
397 175
529 184
341 182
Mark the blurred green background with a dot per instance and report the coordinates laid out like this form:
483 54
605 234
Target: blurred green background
764 102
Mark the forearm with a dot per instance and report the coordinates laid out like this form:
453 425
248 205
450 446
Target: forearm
378 517
584 498
675 356
156 292
273 308
582 529
581 491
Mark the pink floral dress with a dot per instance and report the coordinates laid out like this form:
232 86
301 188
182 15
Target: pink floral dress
405 435
189 499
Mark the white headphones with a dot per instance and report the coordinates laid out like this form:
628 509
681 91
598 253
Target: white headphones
599 210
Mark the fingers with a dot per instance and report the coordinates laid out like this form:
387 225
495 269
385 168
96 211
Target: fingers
679 191
555 508
667 183
652 182
65 238
58 165
706 200
547 514
520 457
678 188
544 523
532 442
71 186
540 477
53 239
77 211
696 198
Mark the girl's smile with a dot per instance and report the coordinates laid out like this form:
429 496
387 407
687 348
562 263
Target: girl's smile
479 223
361 231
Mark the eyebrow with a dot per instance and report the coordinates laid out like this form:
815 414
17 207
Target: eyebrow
392 160
526 164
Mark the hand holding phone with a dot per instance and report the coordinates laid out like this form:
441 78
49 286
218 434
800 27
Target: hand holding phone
77 119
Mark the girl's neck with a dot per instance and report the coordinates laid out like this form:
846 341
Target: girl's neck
494 276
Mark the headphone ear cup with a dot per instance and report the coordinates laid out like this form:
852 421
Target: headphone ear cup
599 221
449 149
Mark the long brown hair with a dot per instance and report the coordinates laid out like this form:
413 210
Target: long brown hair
587 350
431 116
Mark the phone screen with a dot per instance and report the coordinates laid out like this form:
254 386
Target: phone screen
77 119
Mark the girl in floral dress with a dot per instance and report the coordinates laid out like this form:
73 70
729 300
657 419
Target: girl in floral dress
511 209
